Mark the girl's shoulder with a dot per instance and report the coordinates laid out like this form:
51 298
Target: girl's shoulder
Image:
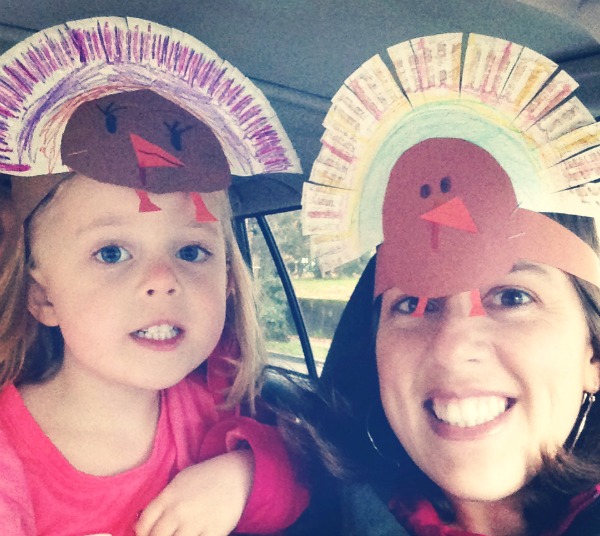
8 394
190 394
14 415
16 508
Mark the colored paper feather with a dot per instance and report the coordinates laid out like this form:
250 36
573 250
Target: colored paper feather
507 99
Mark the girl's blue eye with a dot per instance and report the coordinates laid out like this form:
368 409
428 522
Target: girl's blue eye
511 297
192 253
112 254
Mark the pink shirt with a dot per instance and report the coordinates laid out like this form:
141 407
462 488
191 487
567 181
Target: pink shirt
38 483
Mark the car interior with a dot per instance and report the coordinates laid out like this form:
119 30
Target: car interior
298 52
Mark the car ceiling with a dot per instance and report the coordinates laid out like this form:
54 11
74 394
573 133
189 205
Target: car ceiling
299 52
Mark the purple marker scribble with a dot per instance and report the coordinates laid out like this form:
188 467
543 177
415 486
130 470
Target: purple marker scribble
102 43
214 84
172 56
145 46
14 168
206 72
163 50
227 93
68 51
109 44
249 113
36 62
27 72
120 45
241 104
79 46
184 62
193 68
54 71
97 46
179 61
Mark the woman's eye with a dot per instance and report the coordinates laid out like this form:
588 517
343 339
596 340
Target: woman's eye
408 305
192 253
511 297
112 254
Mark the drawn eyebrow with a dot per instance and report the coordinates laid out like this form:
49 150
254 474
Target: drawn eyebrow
110 109
176 131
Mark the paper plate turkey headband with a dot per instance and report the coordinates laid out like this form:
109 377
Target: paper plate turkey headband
448 171
141 140
129 102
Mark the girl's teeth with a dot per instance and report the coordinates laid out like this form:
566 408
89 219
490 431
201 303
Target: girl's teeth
470 411
158 333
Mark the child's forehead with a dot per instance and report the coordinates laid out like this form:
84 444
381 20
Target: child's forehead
90 203
114 220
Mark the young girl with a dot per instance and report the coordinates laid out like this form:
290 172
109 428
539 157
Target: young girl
129 337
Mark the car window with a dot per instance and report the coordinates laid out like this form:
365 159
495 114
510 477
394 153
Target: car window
321 296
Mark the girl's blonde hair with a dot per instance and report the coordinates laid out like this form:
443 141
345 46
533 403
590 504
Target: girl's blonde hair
19 331
241 317
15 322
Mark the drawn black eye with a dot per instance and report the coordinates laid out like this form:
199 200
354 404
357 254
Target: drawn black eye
425 191
445 185
175 132
110 117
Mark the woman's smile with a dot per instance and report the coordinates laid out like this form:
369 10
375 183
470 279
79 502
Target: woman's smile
467 412
468 418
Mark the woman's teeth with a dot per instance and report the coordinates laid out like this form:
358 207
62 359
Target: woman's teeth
158 333
465 412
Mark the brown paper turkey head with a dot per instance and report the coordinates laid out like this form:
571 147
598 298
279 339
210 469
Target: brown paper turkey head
144 141
451 223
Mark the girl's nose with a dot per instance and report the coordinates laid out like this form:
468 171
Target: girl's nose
161 280
168 291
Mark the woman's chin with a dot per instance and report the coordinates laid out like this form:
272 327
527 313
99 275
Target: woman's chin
473 485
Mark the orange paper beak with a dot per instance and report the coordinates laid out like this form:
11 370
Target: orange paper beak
453 213
150 155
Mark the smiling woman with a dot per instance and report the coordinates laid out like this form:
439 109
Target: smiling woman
462 386
477 401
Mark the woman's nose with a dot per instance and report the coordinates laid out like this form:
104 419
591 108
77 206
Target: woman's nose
161 280
459 336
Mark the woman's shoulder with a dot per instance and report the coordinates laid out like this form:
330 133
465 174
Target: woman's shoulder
366 512
587 522
346 509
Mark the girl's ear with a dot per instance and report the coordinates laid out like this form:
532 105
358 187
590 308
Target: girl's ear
38 303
